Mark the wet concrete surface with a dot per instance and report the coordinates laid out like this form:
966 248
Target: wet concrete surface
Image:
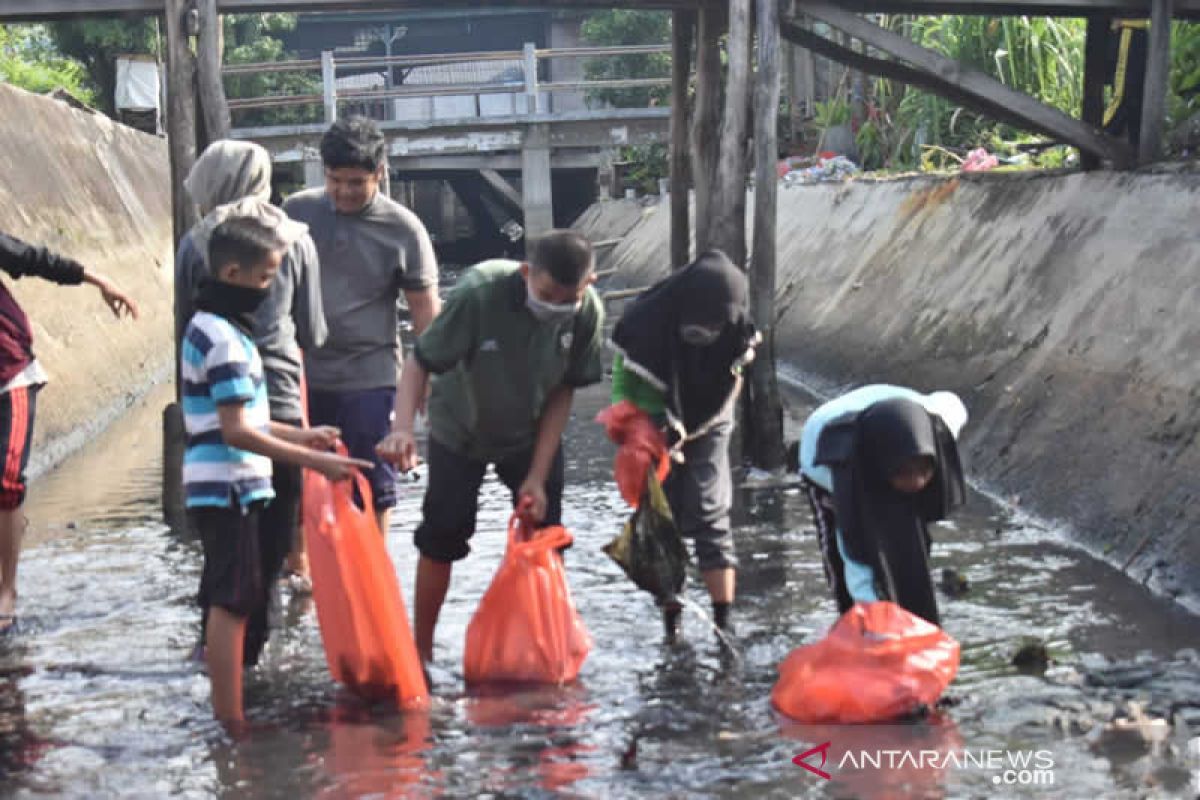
98 697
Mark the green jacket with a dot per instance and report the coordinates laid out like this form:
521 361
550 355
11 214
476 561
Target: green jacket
494 364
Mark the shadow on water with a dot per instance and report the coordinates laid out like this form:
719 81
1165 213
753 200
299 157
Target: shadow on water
97 697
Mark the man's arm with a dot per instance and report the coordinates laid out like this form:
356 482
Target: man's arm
236 433
308 307
423 306
551 425
400 445
19 258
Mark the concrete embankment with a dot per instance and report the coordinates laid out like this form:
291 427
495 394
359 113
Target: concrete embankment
1061 307
98 192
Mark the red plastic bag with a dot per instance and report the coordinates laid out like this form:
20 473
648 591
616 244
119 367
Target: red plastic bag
526 629
877 663
368 643
640 446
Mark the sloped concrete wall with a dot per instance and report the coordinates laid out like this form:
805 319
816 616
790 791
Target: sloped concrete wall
99 192
1063 309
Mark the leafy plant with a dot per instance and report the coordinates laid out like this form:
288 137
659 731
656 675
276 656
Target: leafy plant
96 44
28 59
831 113
628 27
649 163
257 38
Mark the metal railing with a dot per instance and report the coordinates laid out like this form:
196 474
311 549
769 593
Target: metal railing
529 86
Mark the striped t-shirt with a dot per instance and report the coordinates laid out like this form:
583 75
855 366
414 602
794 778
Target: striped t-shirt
220 365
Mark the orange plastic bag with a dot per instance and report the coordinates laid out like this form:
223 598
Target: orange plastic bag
368 643
526 629
640 446
877 663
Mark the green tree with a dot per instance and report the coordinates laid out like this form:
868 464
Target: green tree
96 44
28 59
625 27
257 38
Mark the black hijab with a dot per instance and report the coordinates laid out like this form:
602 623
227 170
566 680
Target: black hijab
881 526
698 381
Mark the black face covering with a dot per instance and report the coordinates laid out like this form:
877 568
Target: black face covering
235 303
880 525
710 292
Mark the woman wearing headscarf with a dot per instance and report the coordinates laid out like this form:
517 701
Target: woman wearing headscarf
681 347
880 463
288 321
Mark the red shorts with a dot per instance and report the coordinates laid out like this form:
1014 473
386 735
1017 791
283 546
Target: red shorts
16 432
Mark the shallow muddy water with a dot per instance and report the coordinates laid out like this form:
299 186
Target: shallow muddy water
98 697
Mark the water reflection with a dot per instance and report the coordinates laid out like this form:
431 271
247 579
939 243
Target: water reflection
883 762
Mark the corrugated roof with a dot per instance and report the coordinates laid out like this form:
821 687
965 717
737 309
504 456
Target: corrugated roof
508 71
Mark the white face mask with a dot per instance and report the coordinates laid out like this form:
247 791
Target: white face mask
699 335
549 312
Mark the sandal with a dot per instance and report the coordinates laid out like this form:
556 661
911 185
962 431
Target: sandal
299 583
8 624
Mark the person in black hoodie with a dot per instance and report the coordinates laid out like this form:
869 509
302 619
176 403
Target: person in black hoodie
20 379
681 347
879 464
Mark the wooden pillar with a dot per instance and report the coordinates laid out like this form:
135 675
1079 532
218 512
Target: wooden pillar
728 210
181 143
764 411
1158 69
213 107
683 23
706 118
1094 72
181 115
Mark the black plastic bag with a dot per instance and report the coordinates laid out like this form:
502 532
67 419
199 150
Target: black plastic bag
649 548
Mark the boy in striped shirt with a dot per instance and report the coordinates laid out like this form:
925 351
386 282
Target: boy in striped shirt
232 441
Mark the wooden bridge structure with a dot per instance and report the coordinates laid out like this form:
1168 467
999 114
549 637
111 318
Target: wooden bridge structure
711 123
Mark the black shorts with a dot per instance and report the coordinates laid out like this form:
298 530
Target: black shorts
240 565
16 433
452 498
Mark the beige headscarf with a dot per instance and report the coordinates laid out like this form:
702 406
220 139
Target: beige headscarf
229 170
285 229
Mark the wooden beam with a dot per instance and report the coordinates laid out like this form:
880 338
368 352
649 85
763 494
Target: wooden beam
1095 53
974 83
506 195
729 202
764 411
894 70
43 10
706 118
683 26
1158 70
213 106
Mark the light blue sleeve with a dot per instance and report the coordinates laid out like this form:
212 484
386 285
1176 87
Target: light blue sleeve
860 578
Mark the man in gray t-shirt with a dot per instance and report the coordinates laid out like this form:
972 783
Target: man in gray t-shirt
371 249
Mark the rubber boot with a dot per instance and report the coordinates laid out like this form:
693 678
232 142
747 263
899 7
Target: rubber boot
721 616
672 613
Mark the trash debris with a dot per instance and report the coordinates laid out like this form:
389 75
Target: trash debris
828 167
979 160
649 548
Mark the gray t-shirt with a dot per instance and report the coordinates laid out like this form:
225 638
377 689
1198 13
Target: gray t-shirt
367 260
291 318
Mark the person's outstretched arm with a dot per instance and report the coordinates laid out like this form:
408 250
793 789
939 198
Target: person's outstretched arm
19 258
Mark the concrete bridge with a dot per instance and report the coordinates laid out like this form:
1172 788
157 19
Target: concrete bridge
502 138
